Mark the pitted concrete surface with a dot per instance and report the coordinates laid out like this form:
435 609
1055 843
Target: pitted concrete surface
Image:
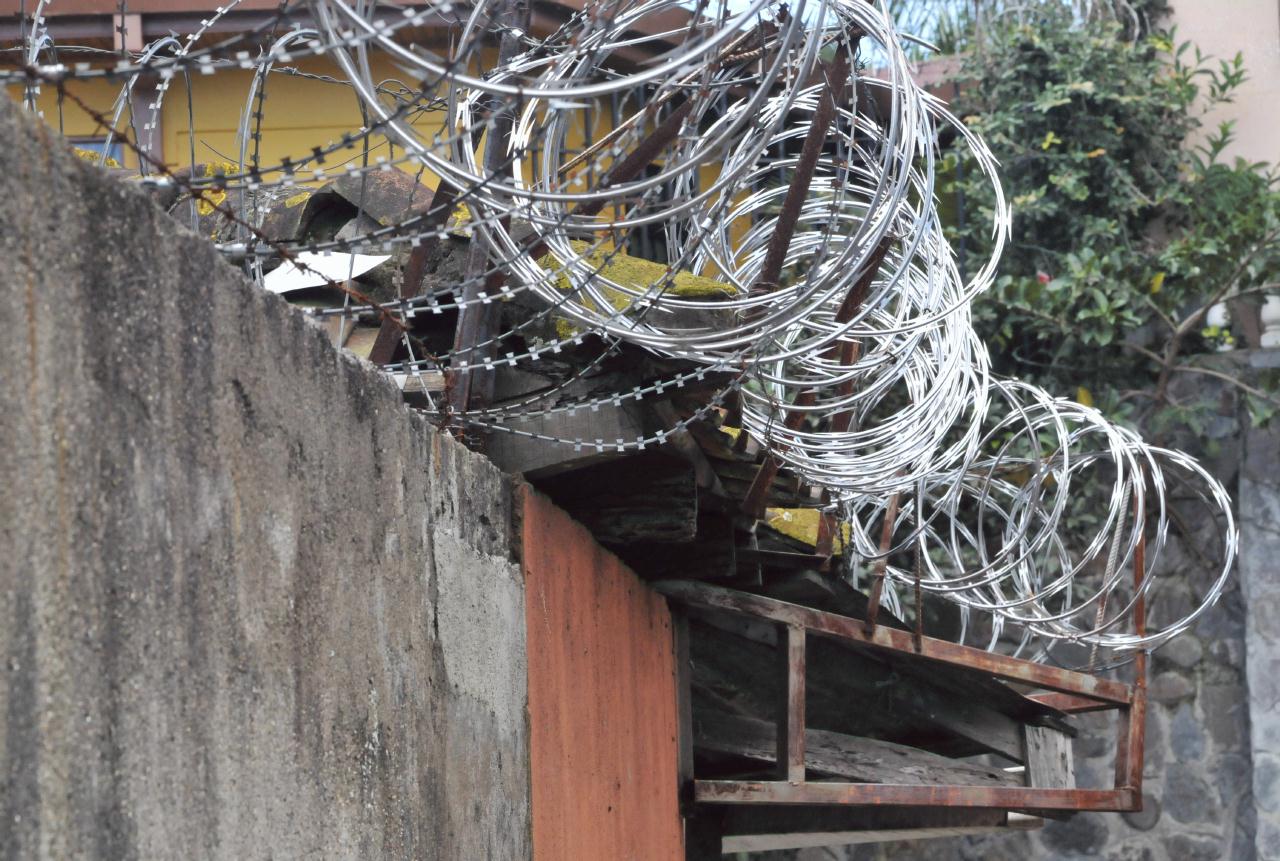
250 606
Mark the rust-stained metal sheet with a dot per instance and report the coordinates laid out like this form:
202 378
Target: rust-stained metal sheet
602 701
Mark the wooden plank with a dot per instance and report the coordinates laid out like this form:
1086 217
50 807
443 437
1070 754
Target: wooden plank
784 841
647 498
1070 704
790 733
939 651
997 797
837 755
776 819
712 555
1049 761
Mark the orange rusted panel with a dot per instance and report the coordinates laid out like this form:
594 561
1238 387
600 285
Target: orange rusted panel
602 706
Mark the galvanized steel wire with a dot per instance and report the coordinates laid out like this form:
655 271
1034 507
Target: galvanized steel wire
886 397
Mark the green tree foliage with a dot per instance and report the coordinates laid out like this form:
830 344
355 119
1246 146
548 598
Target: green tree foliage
1125 230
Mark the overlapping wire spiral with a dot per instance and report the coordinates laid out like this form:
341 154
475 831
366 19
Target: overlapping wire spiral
856 366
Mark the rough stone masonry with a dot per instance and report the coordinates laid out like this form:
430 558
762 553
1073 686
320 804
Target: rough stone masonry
1212 773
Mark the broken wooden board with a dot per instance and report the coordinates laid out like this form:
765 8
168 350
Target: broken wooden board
1049 758
764 827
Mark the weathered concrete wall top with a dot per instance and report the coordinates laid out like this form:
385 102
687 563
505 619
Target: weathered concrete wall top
250 607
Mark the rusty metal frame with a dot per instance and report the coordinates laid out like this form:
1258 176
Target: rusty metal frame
1066 690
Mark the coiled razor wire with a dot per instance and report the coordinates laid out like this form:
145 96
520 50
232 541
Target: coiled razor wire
847 344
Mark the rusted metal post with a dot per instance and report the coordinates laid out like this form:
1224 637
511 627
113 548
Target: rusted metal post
390 335
837 75
758 494
791 660
478 322
1131 749
877 578
848 352
824 543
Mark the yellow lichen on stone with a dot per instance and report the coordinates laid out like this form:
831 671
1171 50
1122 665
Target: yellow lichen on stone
92 157
632 272
213 168
210 201
297 200
636 274
802 525
459 221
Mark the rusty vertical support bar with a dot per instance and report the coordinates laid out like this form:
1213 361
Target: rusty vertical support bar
877 579
835 78
791 660
389 334
684 709
1131 750
757 497
478 322
824 543
837 75
917 637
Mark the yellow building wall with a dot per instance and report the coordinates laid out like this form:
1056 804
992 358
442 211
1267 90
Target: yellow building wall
299 112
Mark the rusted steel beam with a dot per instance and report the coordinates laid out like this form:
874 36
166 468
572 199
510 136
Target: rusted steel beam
478 322
837 76
790 725
848 352
870 794
757 497
877 578
894 640
824 545
1131 745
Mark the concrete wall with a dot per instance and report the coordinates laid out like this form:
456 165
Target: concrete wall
1221 28
250 606
253 607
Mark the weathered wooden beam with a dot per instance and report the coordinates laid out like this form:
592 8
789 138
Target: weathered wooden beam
837 755
711 556
792 840
1048 758
770 819
1070 704
648 498
790 732
995 797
